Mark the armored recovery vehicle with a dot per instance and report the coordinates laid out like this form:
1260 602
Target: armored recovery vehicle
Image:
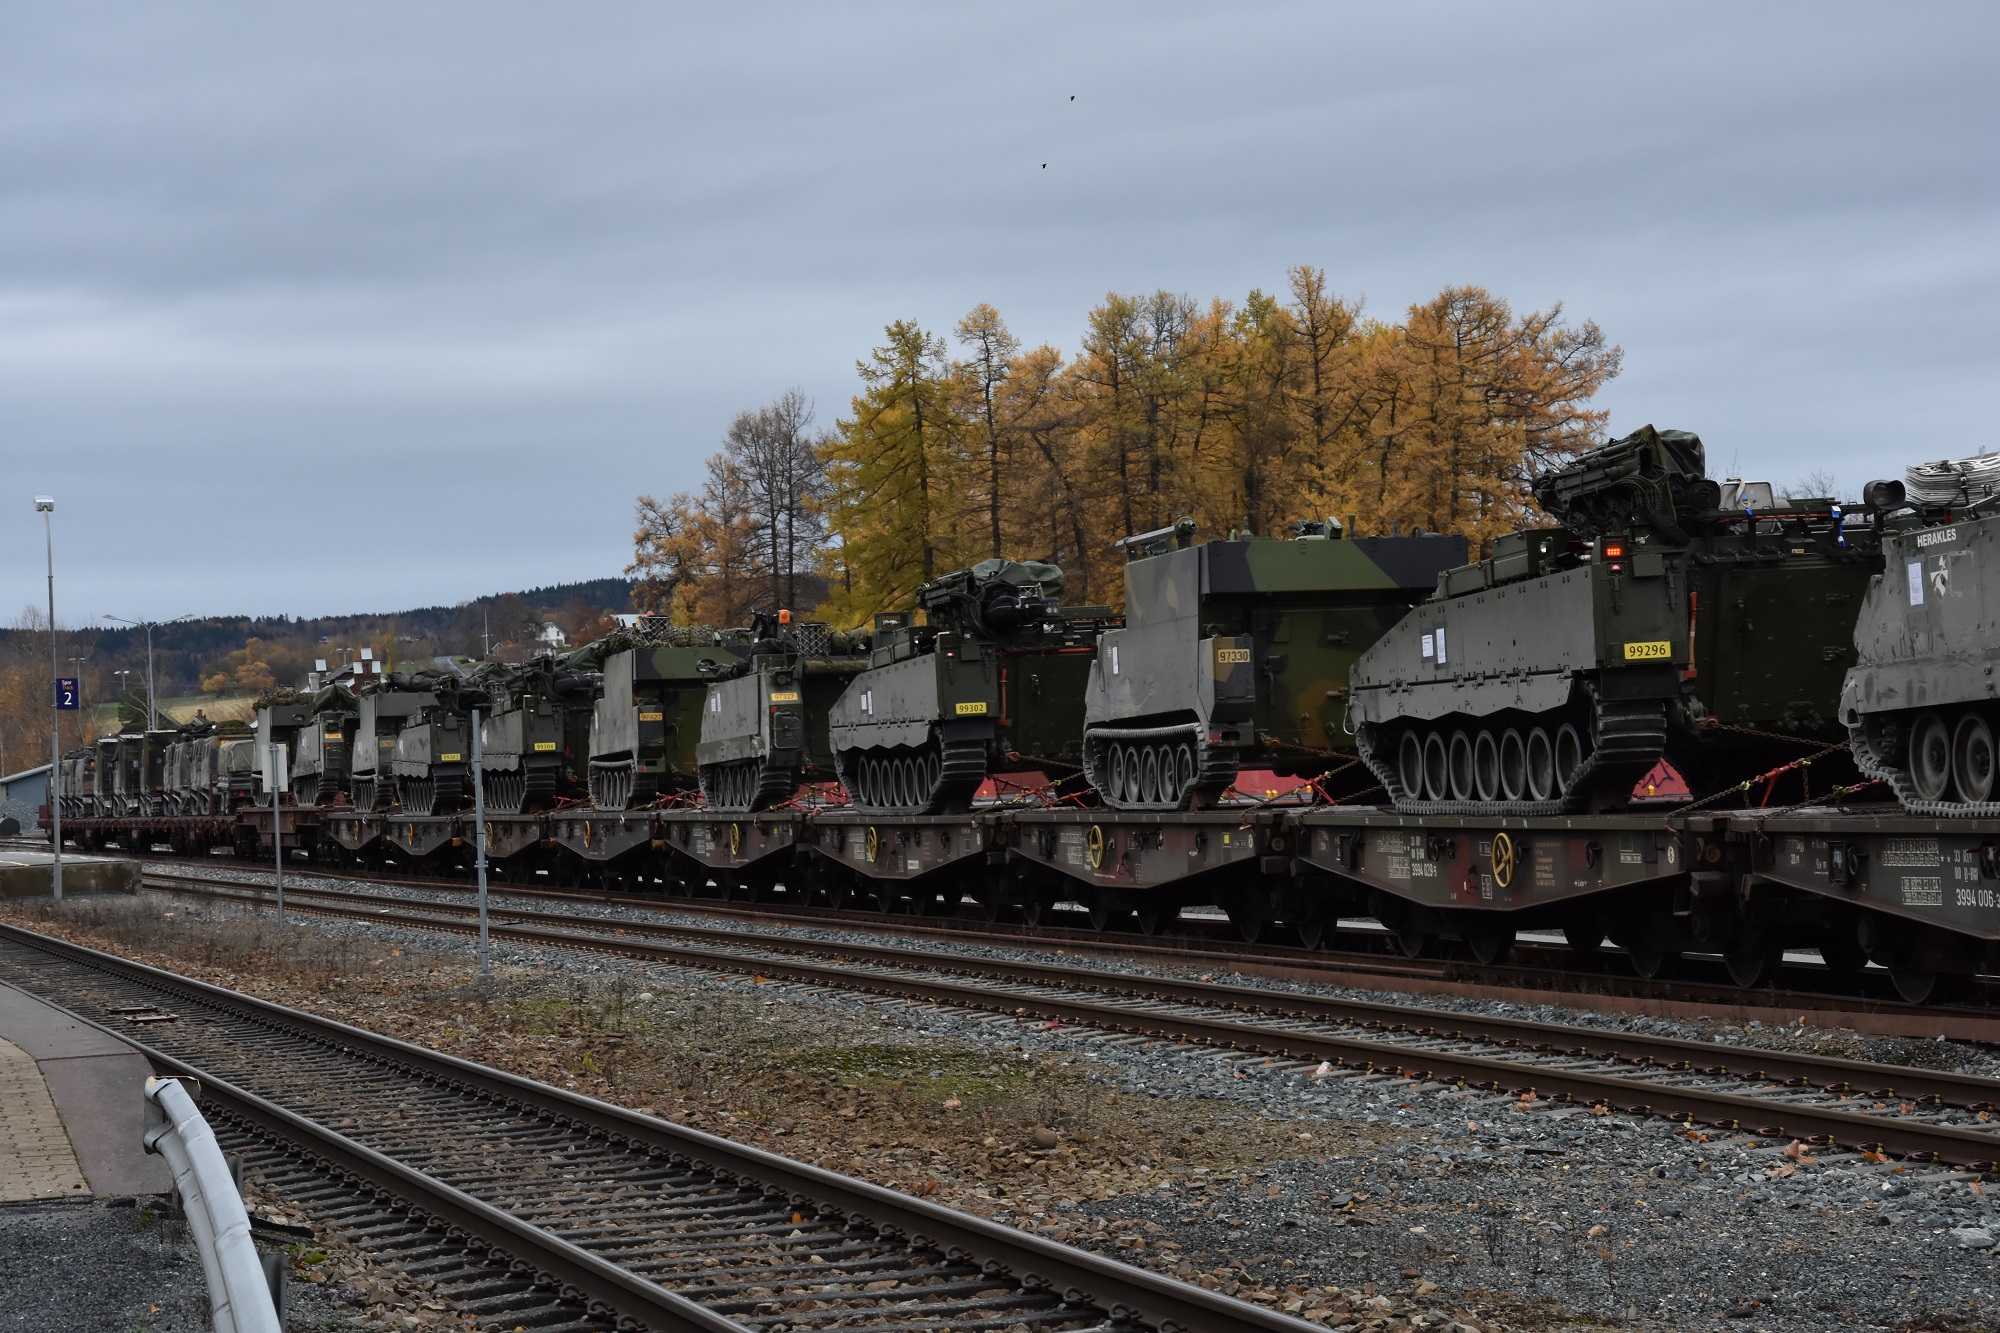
994 676
1919 704
764 729
1656 622
647 720
1240 650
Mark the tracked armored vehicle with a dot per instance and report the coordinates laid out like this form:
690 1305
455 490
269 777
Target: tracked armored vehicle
413 741
1919 704
764 728
1239 651
535 734
647 719
322 754
1654 623
993 678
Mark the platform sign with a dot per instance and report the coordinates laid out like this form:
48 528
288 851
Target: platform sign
67 695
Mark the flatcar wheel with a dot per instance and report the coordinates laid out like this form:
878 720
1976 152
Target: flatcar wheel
1411 943
1915 985
1569 756
1104 910
1753 960
1490 944
1486 766
1841 951
1585 938
1152 916
1410 763
1654 962
1972 759
1930 757
1459 750
1513 765
1437 768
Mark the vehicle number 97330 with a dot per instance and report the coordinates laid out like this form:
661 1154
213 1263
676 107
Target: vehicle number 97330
1656 651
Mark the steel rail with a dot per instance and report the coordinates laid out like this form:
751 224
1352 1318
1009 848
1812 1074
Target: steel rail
1079 1277
1830 1073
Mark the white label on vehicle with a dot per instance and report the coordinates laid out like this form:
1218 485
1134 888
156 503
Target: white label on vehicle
1430 646
1114 659
1916 583
1440 645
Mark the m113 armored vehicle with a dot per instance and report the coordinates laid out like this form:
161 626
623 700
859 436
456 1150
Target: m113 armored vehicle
993 677
764 727
534 735
1239 651
321 754
648 718
1920 703
1663 618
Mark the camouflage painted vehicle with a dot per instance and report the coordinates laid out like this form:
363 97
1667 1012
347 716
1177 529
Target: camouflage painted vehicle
1919 704
647 721
1239 651
535 737
236 774
380 710
1654 623
764 727
321 768
993 678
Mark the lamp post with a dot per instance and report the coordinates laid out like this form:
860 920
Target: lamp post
152 710
45 505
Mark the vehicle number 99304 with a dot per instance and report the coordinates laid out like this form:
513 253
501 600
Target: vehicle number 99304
1654 651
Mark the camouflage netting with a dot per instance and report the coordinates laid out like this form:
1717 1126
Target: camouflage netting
1951 482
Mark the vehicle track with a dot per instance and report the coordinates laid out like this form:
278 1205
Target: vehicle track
648 1224
1925 1115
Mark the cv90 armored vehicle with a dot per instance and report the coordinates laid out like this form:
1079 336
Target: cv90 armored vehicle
647 719
535 736
1655 622
764 728
993 677
1919 704
1240 649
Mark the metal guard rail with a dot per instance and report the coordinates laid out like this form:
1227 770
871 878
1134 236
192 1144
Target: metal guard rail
239 1292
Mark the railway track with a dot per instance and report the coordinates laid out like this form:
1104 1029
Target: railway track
1543 971
637 1223
1923 1115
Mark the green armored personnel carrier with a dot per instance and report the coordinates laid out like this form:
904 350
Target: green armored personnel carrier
534 738
764 725
383 705
433 756
994 676
1663 619
321 767
648 718
1238 651
1919 703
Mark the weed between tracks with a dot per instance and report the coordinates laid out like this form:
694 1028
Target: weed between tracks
1029 1137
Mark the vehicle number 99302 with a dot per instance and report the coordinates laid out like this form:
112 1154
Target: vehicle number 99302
1654 651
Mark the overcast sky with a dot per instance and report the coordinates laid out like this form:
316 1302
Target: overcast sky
313 309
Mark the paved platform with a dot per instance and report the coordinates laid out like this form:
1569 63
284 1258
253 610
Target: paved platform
72 1108
32 874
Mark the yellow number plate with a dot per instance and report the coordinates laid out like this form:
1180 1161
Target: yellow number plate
784 696
652 717
448 758
1231 656
333 735
972 710
1655 651
544 745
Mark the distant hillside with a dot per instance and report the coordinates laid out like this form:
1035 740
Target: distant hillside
187 654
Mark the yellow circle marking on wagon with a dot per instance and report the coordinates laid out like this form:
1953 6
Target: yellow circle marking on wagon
1503 860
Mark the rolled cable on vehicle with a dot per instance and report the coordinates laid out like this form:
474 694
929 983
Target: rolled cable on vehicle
240 1295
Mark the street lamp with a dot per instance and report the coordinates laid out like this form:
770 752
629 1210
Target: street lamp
152 711
45 505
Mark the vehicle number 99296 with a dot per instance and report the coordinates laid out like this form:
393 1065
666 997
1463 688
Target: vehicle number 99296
1654 651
